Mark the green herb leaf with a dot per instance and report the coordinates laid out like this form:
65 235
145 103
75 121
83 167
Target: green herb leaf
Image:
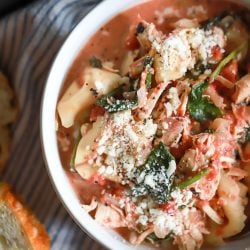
73 155
155 177
226 60
247 135
148 80
199 107
194 179
147 65
203 110
114 102
95 62
197 90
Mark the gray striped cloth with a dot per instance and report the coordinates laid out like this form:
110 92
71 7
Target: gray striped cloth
29 41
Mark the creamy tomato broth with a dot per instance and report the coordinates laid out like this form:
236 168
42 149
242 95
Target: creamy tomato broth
195 107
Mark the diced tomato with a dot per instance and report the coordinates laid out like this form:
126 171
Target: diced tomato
212 175
167 207
132 43
230 71
217 53
96 111
179 151
118 191
98 179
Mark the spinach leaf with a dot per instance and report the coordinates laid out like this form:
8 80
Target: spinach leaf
95 62
155 177
200 107
247 134
115 102
194 179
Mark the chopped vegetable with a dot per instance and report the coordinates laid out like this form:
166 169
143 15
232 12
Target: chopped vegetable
247 135
156 176
148 64
153 238
73 156
194 179
210 131
115 102
226 60
148 80
200 107
198 69
95 62
148 61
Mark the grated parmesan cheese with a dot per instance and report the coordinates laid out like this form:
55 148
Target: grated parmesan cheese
195 10
124 144
166 13
182 49
174 101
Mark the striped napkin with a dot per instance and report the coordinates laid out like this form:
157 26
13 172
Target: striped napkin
29 41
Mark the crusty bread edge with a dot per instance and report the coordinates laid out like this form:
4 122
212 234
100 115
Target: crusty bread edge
32 228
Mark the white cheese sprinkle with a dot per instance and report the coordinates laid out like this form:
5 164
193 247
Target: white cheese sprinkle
125 144
195 10
171 168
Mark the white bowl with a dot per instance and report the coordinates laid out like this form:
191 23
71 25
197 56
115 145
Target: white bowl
79 36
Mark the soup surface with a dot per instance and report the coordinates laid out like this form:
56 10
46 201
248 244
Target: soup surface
154 123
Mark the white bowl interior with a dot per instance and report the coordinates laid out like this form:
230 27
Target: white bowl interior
80 35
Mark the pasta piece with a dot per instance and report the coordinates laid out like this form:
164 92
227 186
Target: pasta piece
86 171
105 215
97 82
84 150
153 96
211 213
127 61
136 240
217 99
232 195
92 206
163 75
242 92
186 23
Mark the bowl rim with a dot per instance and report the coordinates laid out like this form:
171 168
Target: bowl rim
64 191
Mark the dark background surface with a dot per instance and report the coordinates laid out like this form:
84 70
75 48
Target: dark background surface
7 6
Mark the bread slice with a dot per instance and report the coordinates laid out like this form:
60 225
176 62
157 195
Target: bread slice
19 228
